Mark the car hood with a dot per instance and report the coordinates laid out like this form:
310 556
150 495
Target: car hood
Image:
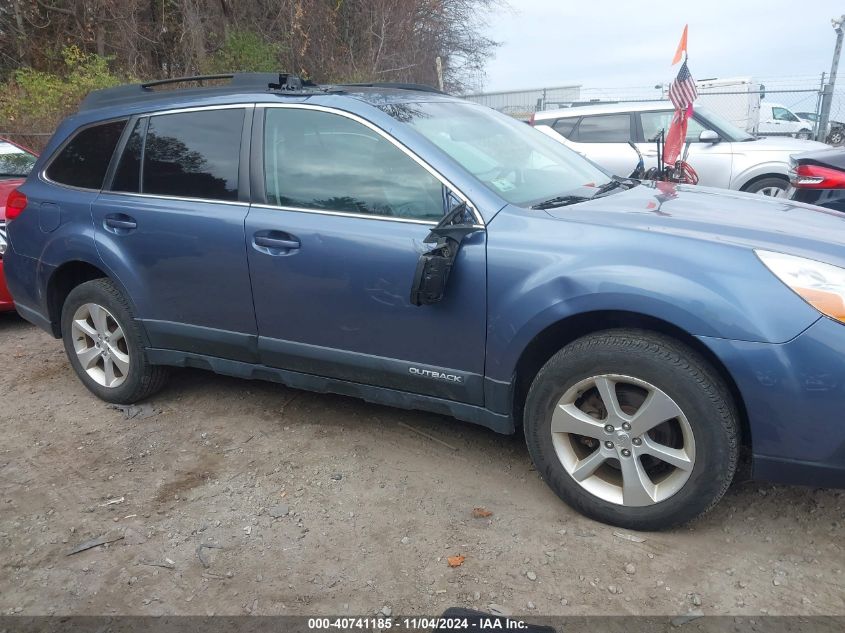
719 215
780 144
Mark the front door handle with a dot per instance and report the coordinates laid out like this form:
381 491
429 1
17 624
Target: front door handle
119 223
275 242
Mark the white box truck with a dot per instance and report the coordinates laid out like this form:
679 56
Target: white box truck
736 99
741 101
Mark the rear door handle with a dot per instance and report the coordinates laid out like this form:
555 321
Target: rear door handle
120 223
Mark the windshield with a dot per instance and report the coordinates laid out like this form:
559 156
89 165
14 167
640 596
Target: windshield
14 161
513 159
728 130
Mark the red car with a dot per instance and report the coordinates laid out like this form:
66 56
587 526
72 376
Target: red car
15 164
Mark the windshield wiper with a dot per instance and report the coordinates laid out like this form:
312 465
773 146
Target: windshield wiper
613 183
559 201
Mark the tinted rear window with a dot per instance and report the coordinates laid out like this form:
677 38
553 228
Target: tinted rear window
193 154
84 160
564 126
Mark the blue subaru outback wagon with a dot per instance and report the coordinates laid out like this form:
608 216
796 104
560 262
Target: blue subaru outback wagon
409 248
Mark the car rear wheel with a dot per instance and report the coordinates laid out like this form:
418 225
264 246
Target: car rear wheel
632 429
772 187
104 344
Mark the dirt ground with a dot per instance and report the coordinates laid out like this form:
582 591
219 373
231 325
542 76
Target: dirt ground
366 512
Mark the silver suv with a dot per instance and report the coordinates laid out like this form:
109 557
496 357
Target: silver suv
722 154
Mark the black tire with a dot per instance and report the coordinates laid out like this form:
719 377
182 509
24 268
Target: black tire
773 182
681 374
142 378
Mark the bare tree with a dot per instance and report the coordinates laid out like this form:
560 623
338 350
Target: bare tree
326 40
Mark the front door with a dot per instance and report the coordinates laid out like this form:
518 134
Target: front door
332 256
711 161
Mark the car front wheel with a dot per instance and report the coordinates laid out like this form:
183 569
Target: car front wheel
104 345
632 429
772 187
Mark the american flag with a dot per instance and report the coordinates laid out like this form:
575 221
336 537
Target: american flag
682 91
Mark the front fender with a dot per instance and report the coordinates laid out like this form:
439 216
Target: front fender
542 272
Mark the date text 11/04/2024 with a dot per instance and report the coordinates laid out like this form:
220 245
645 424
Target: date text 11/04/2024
483 623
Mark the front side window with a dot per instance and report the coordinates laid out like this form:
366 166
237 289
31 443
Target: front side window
191 154
519 163
654 122
720 124
319 160
15 162
606 128
84 160
782 114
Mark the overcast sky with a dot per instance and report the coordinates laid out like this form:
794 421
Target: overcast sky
621 43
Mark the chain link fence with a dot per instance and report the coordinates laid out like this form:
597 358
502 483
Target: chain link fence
767 106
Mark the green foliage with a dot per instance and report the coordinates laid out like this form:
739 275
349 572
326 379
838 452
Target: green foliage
246 51
34 99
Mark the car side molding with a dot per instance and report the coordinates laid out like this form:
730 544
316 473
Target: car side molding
500 423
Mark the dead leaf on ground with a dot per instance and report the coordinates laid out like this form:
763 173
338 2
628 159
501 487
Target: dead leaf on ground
455 561
481 513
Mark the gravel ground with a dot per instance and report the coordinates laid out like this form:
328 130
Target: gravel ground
318 504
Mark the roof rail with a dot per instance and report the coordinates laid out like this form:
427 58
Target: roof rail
399 86
238 81
177 80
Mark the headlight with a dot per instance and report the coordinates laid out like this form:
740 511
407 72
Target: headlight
819 284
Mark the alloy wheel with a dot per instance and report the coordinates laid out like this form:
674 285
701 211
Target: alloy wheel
623 440
773 192
100 345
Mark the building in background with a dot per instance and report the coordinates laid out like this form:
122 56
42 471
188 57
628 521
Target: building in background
521 104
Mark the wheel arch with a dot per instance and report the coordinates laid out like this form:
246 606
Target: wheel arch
748 183
63 280
559 334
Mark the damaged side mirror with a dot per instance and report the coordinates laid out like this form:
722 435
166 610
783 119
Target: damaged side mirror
433 267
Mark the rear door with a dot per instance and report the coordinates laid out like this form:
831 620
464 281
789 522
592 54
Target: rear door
603 138
712 161
170 226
